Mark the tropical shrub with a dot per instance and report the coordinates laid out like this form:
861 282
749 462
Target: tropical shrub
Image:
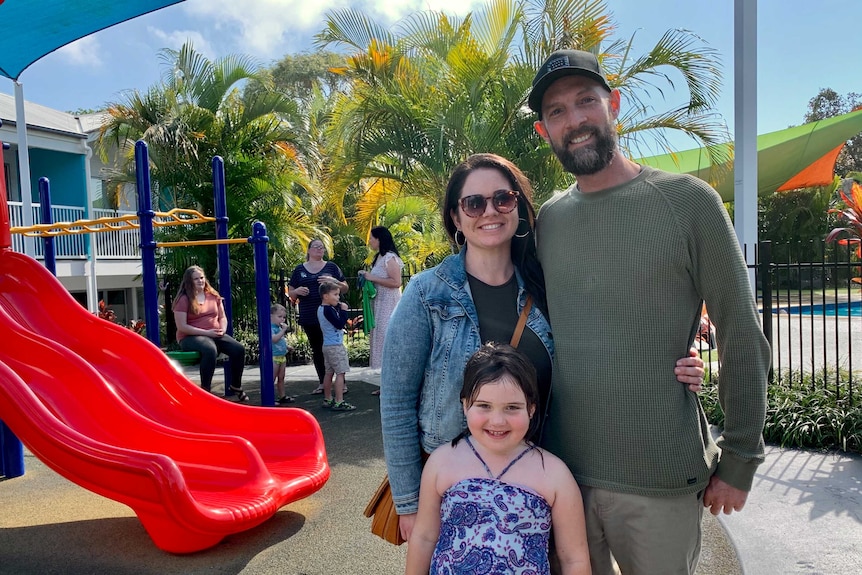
812 415
301 349
851 215
250 340
358 350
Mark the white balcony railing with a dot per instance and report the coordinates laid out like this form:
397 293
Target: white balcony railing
121 244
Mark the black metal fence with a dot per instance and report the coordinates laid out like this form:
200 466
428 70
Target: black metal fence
811 312
245 311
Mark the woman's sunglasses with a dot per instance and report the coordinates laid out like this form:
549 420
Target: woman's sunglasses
504 201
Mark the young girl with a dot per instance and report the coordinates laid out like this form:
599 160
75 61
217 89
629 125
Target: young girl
488 502
202 326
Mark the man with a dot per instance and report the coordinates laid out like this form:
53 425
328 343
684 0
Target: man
630 254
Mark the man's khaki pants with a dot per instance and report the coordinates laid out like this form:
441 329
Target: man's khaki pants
638 535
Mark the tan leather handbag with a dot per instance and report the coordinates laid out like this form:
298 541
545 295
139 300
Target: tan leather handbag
384 520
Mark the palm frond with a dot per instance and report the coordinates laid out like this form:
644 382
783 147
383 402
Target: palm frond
351 28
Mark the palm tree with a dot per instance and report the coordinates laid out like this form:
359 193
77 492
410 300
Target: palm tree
434 89
421 101
196 112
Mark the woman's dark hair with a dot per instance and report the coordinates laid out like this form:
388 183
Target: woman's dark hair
386 243
492 362
523 248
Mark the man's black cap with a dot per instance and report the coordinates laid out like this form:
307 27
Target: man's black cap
564 63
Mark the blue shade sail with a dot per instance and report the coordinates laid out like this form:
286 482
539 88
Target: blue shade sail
35 28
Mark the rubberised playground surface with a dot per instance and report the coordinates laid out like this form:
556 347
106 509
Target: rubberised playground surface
48 525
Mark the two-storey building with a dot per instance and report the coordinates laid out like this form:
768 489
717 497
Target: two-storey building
103 266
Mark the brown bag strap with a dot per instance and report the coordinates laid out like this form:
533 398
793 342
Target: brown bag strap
522 321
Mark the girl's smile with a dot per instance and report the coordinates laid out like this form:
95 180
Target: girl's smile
499 417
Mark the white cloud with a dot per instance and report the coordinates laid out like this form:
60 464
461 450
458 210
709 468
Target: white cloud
263 27
271 28
398 9
177 38
84 52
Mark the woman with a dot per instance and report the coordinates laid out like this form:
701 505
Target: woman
202 327
304 285
447 312
385 274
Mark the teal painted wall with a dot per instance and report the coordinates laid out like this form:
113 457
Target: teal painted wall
66 172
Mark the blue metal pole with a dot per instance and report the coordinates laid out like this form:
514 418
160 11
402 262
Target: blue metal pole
260 241
47 217
12 458
220 197
224 288
11 450
148 244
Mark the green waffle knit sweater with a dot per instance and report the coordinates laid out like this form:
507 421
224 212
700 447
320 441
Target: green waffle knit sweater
627 269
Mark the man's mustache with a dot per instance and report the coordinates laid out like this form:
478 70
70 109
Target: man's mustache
579 133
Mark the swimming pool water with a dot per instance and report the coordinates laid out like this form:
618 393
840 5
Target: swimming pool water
852 309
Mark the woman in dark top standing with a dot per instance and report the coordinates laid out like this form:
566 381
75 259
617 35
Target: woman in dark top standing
303 286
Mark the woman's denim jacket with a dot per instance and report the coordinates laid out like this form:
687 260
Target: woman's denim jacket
432 332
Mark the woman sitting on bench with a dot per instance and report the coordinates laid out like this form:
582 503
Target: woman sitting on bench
201 327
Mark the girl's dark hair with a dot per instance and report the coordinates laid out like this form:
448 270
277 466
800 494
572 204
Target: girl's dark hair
492 362
523 248
387 244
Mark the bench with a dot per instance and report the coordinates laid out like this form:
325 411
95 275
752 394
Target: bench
184 357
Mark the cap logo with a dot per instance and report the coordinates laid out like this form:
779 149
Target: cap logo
557 63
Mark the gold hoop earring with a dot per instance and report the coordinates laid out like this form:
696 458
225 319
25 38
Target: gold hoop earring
457 243
525 234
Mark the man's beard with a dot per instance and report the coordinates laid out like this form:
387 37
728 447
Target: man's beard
589 159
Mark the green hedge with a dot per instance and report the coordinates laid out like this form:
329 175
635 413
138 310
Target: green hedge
358 351
818 413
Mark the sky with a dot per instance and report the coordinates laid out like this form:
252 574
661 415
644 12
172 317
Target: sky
803 46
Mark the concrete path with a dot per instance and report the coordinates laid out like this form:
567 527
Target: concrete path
804 515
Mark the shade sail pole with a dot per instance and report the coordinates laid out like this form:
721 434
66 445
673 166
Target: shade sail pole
745 127
24 168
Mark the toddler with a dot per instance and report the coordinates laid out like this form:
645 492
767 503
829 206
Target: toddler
279 328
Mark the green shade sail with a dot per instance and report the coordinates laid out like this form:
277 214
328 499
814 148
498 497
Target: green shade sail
798 157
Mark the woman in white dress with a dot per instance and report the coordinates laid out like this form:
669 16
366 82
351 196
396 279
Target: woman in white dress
385 274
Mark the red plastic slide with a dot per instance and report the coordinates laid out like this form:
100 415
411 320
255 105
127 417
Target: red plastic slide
105 408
